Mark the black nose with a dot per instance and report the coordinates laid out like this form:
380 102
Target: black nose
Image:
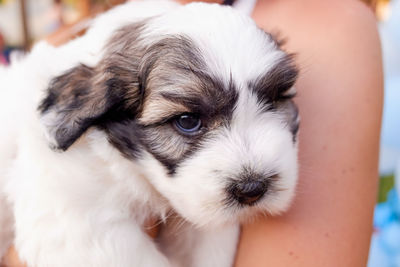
249 192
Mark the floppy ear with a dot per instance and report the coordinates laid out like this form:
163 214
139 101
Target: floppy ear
71 106
84 97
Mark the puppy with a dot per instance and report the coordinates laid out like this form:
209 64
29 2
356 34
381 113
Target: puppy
183 113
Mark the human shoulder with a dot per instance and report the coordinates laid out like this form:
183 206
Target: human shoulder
322 30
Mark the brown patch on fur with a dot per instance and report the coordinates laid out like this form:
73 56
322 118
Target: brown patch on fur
156 109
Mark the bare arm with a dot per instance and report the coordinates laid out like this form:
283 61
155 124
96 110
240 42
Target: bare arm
340 101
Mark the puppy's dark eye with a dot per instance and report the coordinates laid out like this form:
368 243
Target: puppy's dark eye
187 123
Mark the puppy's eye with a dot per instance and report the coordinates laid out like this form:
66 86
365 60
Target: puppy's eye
187 123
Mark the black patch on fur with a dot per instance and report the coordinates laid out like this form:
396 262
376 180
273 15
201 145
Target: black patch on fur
66 96
70 88
125 135
212 105
80 100
273 85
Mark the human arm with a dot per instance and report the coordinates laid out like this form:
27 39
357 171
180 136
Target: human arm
340 102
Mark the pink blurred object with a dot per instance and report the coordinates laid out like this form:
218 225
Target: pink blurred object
3 60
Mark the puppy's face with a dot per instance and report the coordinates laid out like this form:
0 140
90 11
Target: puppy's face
200 98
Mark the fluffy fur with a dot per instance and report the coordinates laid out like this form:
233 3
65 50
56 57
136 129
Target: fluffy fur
90 147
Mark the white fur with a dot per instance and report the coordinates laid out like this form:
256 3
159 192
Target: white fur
86 207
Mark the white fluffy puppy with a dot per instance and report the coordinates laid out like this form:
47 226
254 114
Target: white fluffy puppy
158 109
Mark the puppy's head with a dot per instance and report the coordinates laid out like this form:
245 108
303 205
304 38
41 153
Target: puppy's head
201 99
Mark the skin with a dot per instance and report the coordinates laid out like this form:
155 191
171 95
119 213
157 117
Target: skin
340 92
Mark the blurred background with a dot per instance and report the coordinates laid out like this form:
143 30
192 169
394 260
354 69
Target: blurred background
385 245
22 22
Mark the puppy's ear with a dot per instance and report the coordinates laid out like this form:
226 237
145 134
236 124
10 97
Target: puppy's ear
84 97
93 96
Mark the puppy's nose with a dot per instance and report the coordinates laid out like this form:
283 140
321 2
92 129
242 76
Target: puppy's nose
249 192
